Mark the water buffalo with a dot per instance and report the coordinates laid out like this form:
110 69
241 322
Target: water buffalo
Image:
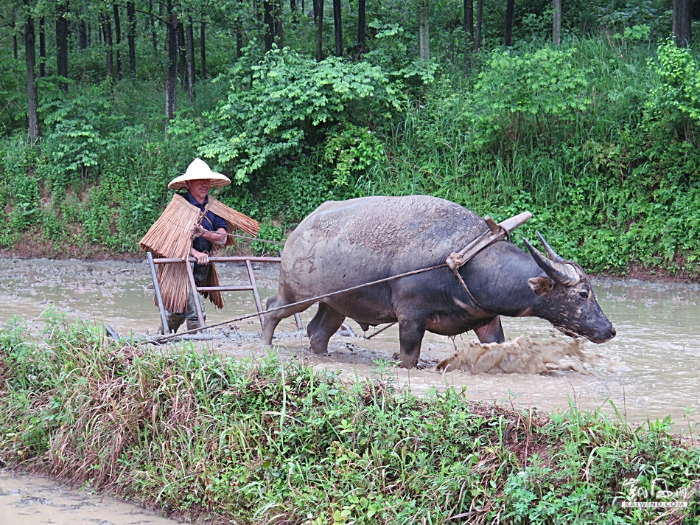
349 243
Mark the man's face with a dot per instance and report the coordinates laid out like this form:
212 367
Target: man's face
199 188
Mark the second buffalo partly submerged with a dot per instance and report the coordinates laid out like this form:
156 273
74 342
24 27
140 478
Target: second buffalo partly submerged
350 243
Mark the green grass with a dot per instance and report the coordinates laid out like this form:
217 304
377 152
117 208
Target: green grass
265 441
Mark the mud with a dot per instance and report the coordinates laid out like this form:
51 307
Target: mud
33 500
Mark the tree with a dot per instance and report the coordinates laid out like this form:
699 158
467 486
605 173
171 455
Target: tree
171 75
318 13
682 10
269 22
14 33
82 32
118 38
131 37
279 32
42 48
62 43
189 44
182 54
479 20
361 26
154 34
508 33
338 26
556 23
469 18
423 30
30 62
107 35
203 49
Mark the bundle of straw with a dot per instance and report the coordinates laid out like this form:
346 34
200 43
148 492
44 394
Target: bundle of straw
233 218
174 286
170 236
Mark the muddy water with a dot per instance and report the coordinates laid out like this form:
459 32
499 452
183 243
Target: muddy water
32 500
650 370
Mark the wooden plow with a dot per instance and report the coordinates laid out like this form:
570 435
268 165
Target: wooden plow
252 287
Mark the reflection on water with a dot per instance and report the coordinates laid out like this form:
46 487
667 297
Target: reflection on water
649 370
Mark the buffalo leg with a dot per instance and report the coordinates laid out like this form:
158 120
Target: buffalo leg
491 332
324 324
272 319
411 334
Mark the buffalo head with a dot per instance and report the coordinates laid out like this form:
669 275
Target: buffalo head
566 296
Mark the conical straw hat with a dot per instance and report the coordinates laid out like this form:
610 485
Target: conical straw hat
198 170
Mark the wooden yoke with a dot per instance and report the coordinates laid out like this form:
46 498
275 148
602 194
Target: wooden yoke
496 233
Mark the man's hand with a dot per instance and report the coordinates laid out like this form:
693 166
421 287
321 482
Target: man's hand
197 231
201 257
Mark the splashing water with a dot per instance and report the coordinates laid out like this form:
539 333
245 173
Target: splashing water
526 354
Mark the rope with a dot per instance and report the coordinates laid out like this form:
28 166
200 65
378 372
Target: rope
255 239
310 301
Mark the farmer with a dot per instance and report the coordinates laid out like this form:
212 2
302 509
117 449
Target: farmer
198 180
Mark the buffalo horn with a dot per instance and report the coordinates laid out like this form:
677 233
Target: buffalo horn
562 273
551 254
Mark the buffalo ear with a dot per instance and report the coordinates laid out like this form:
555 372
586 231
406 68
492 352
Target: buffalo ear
541 285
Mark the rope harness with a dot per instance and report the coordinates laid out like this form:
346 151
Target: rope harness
455 261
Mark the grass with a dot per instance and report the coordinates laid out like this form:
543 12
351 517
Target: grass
265 441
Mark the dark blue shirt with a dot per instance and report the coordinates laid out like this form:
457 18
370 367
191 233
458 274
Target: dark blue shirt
210 222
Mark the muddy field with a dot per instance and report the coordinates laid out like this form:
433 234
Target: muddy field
649 370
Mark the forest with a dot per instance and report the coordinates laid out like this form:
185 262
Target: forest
584 113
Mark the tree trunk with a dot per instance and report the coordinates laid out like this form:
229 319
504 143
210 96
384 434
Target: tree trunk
189 42
479 20
62 44
508 33
118 38
203 49
30 62
556 22
361 26
182 64
318 10
423 30
131 37
171 78
338 26
469 18
154 34
279 30
14 34
42 49
107 35
269 22
292 5
82 34
239 37
682 21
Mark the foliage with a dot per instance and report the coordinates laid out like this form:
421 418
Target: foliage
532 94
261 441
676 100
286 104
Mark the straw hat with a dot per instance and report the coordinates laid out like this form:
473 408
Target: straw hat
198 170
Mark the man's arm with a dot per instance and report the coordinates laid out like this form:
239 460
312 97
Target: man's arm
217 237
